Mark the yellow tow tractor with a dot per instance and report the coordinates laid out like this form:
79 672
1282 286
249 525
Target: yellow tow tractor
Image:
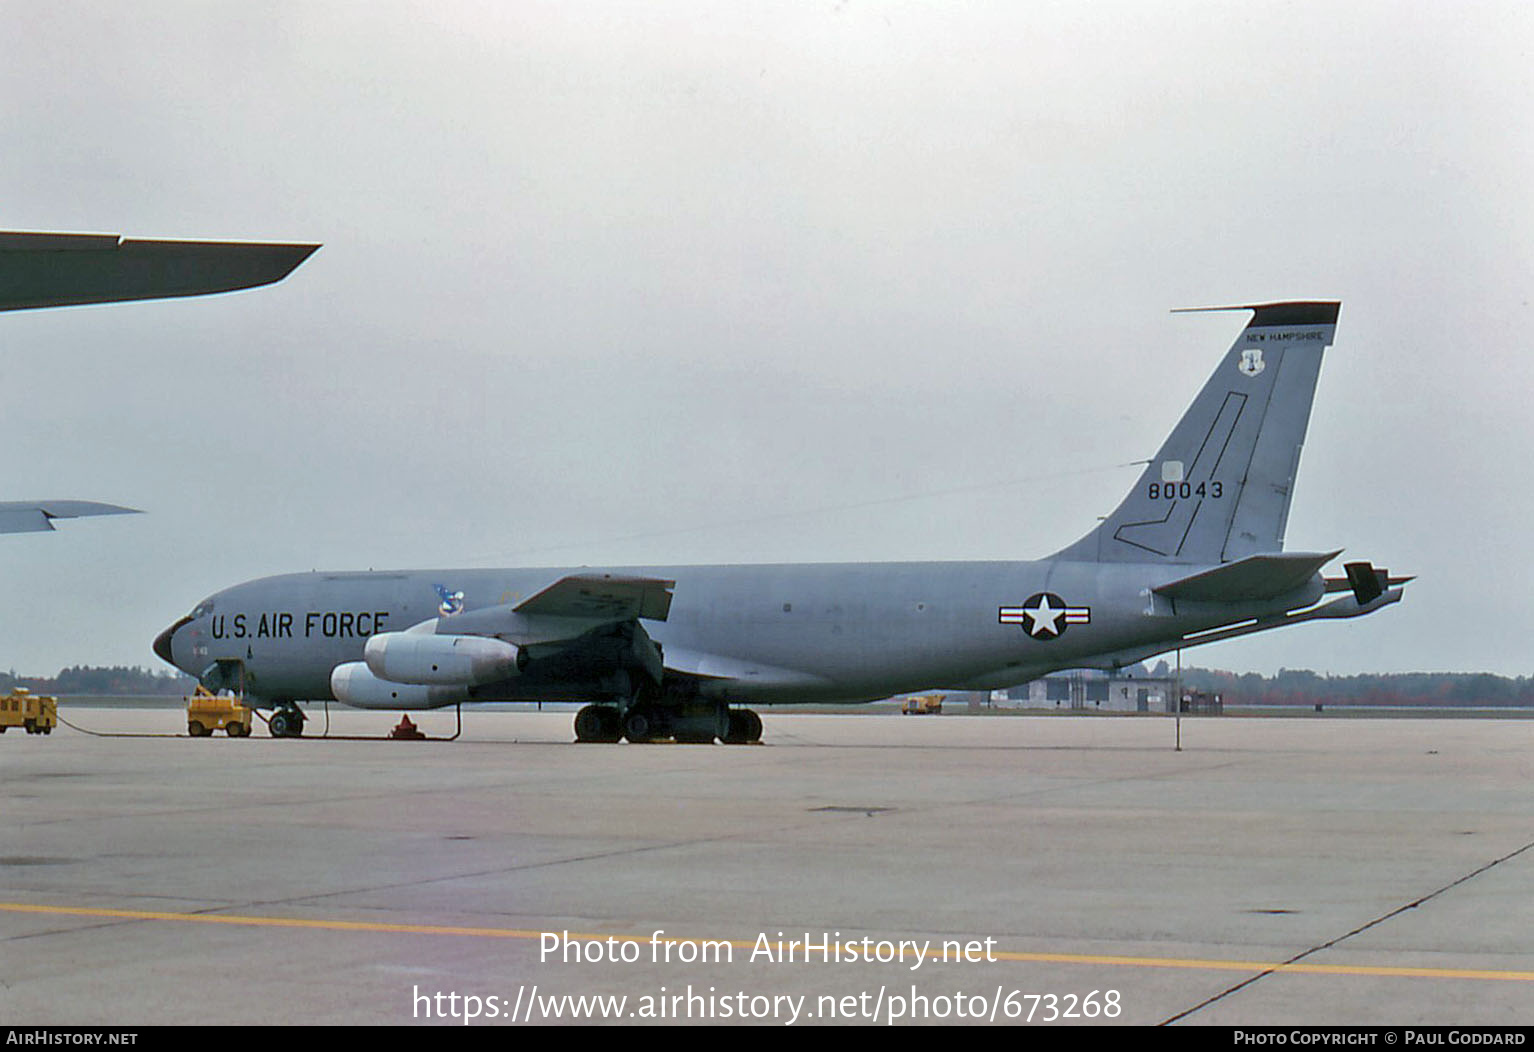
207 712
38 713
923 705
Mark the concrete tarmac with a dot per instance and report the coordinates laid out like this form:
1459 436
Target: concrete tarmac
1080 870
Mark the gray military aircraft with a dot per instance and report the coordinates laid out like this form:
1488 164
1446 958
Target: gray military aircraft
62 270
1192 555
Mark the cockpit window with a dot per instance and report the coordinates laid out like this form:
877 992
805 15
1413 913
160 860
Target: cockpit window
204 607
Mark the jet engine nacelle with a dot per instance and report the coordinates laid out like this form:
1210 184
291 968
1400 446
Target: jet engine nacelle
355 684
426 658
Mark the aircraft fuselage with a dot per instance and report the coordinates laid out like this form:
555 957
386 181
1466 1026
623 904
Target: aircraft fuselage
754 633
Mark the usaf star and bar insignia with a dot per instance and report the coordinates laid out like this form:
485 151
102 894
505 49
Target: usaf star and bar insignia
1044 615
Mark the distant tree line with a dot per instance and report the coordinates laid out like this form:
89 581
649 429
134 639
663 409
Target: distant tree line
1303 687
83 679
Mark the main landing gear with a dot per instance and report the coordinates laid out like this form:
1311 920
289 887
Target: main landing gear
645 722
598 723
745 726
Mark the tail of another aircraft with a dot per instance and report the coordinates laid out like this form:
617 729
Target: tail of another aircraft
1219 488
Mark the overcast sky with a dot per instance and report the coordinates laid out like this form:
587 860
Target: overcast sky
613 283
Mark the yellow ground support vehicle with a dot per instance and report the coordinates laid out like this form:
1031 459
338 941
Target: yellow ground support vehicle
923 705
207 712
38 713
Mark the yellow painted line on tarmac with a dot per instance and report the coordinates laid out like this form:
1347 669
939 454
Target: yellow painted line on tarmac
270 922
777 946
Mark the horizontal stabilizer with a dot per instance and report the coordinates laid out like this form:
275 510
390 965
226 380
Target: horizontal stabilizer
1255 577
61 270
601 596
23 516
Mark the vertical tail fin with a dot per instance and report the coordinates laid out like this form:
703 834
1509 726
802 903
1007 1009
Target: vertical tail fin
1219 488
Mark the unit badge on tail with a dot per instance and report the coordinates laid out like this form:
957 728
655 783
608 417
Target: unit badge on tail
1044 615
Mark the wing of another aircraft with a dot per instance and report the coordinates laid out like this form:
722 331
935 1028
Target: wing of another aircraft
21 516
62 270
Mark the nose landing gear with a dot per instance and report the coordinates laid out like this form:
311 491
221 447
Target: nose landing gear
287 721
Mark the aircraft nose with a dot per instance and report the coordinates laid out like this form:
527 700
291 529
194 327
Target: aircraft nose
162 642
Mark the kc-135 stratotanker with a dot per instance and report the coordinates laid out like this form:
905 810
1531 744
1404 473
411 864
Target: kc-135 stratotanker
1193 554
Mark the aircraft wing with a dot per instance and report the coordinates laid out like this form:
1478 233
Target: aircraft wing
20 516
61 270
567 610
579 622
603 597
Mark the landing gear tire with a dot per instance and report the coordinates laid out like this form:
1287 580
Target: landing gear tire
287 722
745 727
597 723
638 725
